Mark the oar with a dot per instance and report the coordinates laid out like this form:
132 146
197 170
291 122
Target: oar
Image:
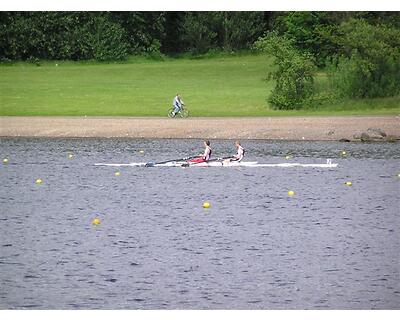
211 160
219 159
152 164
224 158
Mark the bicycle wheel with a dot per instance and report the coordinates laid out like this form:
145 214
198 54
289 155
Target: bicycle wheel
184 113
171 113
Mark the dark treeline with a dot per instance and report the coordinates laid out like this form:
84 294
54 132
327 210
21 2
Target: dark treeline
116 35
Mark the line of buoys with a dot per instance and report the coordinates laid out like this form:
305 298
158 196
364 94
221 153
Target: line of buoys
206 205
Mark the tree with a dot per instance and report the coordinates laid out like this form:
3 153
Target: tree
368 64
311 32
199 31
239 30
60 35
172 42
293 72
144 30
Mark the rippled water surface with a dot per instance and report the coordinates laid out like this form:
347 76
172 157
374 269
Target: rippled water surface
330 246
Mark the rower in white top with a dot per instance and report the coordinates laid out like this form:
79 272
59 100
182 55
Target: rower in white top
238 156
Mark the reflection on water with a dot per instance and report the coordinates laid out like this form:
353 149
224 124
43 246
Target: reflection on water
329 246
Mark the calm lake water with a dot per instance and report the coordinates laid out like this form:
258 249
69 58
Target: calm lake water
331 246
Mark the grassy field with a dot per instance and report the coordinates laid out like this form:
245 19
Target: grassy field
219 86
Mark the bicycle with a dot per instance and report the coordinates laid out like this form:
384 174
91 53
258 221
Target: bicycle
183 112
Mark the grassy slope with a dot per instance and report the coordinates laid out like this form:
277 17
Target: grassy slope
220 86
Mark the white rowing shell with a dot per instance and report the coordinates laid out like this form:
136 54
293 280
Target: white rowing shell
253 164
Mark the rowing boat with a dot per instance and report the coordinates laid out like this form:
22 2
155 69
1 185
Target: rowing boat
251 164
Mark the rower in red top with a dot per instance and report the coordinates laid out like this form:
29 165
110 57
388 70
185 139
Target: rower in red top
205 156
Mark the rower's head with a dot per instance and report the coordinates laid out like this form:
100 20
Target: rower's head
207 143
237 143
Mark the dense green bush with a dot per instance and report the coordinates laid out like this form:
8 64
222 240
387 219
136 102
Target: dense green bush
229 31
108 40
318 32
368 65
199 31
307 30
143 30
293 72
78 35
56 35
239 30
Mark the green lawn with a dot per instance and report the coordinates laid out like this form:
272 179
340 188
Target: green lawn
219 86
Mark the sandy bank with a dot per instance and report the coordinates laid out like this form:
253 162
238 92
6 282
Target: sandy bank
281 128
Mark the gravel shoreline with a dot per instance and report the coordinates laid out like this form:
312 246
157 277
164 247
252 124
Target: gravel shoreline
276 128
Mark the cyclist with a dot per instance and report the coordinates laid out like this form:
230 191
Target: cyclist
177 104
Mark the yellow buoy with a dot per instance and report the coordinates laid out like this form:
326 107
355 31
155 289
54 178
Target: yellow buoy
70 156
96 221
349 183
38 181
117 174
290 193
344 153
141 151
287 157
206 205
5 160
